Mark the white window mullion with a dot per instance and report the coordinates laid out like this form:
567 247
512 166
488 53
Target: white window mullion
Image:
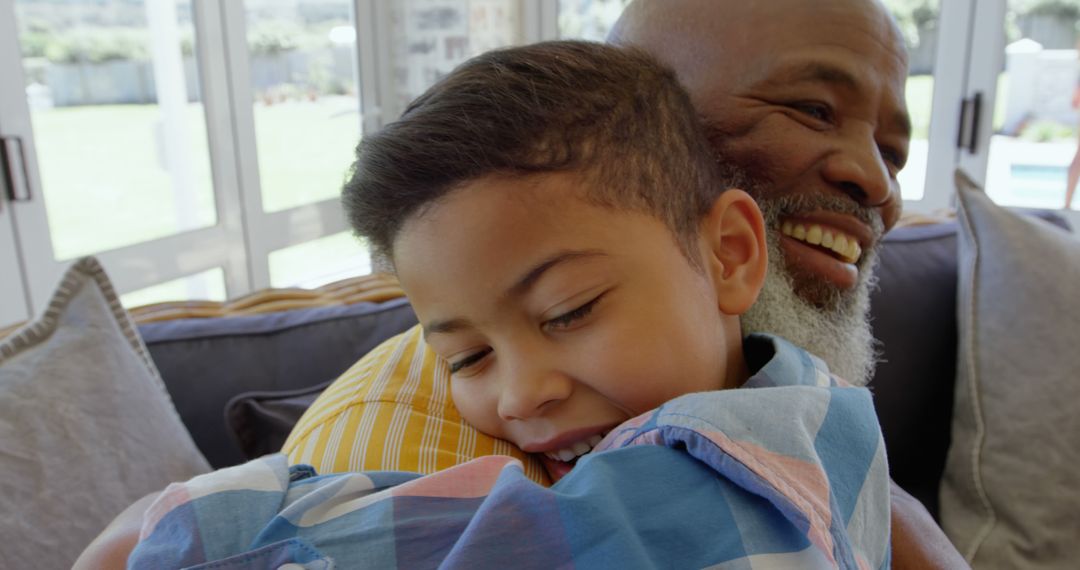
14 303
26 218
301 224
390 107
152 262
987 61
210 43
238 74
950 65
540 20
367 56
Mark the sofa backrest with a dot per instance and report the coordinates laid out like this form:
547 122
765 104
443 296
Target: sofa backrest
913 312
206 362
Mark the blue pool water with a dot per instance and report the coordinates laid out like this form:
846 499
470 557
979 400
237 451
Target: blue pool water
1037 183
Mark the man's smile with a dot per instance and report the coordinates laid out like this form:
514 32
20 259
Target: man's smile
826 244
842 245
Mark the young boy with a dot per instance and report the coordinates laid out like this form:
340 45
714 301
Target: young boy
572 250
560 227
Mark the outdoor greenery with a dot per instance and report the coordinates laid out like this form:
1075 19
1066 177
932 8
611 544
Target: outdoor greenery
1066 9
85 45
914 17
105 186
917 18
97 44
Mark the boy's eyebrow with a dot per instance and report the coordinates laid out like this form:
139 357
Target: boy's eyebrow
533 275
519 288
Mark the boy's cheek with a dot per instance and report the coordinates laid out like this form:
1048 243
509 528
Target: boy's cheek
477 408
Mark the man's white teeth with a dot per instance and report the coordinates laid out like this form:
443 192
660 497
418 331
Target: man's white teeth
844 245
578 449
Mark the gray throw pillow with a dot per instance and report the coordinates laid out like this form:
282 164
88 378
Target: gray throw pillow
86 426
1010 497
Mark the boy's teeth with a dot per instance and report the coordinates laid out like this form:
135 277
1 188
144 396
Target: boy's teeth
845 246
578 449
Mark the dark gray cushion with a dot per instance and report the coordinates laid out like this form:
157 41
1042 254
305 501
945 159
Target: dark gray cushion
914 318
261 421
206 362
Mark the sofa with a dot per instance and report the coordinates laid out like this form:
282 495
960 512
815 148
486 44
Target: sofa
239 379
240 382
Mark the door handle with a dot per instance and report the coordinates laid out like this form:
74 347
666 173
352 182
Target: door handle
14 163
967 136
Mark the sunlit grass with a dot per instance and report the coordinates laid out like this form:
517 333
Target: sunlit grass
106 186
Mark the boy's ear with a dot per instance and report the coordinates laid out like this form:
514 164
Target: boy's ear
736 257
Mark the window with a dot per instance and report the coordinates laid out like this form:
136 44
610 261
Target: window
199 147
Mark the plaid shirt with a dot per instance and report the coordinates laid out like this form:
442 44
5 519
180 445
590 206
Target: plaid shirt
787 472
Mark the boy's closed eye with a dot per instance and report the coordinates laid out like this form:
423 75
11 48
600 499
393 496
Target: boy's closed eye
469 361
564 322
569 319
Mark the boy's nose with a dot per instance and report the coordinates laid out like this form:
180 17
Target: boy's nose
530 393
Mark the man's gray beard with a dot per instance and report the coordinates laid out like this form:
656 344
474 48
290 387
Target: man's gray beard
838 331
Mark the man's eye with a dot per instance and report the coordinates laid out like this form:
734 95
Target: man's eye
566 319
468 361
817 111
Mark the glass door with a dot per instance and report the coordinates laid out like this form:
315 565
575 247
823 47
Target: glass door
425 39
106 99
1025 72
14 305
588 19
935 33
297 97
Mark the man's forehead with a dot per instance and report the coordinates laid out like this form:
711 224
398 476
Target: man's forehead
693 35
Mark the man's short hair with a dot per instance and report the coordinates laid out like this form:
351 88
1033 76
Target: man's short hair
614 115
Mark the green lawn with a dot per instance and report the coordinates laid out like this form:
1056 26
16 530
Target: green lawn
105 187
920 97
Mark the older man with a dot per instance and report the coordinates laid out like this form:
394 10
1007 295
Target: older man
806 101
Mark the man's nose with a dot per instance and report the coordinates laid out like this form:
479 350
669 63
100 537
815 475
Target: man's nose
859 170
531 390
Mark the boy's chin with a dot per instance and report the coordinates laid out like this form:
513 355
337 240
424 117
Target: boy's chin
555 469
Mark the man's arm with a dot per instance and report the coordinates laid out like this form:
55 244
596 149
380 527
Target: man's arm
113 546
917 541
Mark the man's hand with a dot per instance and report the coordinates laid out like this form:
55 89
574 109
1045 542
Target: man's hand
917 541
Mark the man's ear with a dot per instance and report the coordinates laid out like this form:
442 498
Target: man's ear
735 254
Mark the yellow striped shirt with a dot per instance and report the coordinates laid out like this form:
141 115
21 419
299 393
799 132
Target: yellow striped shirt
392 411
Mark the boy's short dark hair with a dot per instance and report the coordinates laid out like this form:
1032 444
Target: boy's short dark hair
612 114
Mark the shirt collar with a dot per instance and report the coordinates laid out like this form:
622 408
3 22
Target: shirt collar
777 362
